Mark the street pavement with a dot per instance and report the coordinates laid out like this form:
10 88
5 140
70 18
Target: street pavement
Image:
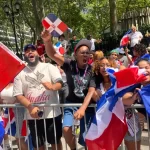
144 143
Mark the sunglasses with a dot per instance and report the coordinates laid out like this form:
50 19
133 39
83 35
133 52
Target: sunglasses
85 53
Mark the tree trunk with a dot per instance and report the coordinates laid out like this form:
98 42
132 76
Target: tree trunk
38 18
113 16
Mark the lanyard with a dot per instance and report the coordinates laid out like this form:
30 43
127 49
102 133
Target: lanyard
78 76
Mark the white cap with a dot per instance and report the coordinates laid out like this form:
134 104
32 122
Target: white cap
148 48
121 51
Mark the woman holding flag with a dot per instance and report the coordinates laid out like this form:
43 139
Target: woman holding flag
103 83
133 97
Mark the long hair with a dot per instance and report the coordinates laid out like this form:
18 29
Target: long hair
96 68
98 55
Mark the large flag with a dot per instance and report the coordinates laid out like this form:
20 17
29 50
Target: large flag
2 131
109 125
125 39
145 97
10 66
54 25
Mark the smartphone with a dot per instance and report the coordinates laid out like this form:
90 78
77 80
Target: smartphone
40 113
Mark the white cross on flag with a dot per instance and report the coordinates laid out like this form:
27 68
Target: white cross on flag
54 25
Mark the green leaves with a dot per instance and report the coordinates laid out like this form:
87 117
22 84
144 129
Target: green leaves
83 16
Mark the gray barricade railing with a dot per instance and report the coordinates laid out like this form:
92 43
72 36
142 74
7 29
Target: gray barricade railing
75 128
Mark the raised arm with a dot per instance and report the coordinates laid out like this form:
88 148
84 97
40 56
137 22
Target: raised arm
50 49
130 62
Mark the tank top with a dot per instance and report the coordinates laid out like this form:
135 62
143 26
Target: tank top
7 95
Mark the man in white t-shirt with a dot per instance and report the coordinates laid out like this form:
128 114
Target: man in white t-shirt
135 37
38 83
89 37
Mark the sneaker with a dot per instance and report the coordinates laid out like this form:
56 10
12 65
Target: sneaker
77 131
7 147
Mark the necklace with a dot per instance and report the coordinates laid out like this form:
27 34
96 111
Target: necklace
78 77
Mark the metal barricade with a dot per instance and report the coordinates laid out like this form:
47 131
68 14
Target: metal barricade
145 140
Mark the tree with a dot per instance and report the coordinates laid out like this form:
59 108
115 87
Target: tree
113 16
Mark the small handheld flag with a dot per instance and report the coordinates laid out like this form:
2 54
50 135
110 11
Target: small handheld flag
54 25
10 66
125 39
59 49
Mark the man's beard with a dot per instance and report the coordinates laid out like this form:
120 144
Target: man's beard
32 64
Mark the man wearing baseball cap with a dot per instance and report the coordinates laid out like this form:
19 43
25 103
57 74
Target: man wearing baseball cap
81 86
38 83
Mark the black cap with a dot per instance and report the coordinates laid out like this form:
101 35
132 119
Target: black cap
29 46
83 42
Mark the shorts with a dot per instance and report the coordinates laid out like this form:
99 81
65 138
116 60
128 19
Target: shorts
69 121
50 134
19 117
128 137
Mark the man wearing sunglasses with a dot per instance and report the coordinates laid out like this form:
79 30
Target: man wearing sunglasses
81 86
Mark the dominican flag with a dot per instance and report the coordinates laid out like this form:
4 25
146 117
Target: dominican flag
9 122
2 131
109 125
146 56
59 49
145 97
125 39
54 25
10 66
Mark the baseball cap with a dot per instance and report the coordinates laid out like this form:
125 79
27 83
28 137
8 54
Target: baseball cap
83 42
148 49
29 46
121 51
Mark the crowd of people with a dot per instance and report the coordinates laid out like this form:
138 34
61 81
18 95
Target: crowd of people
62 79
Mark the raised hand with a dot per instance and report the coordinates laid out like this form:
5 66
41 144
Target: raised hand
46 36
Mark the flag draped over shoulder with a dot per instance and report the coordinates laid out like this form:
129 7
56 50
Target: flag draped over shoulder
125 39
145 97
2 132
10 66
146 56
109 125
54 25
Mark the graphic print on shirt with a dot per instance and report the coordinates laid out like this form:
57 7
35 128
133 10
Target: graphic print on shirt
80 84
35 83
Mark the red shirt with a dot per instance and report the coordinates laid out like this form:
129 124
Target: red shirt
90 61
41 49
